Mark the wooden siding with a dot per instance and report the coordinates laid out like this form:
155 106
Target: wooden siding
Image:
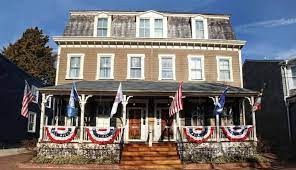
151 63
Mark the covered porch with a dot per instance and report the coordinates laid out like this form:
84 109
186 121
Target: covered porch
143 114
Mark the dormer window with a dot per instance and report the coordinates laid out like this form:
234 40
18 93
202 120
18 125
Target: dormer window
199 28
102 25
151 25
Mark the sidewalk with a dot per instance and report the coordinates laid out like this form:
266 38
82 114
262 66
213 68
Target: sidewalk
13 151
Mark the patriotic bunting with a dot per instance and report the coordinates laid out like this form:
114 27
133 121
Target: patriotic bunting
61 134
237 133
198 134
102 136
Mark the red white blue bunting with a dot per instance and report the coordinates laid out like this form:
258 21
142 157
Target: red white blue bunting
102 136
237 133
198 134
61 134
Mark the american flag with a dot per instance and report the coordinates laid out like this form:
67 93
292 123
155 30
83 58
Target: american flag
28 97
257 104
177 103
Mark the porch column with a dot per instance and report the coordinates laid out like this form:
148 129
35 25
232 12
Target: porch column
124 103
244 112
215 101
254 118
82 101
42 114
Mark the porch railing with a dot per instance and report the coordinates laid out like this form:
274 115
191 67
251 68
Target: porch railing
76 139
213 137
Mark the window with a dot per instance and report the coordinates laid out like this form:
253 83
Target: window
293 70
199 27
48 103
224 69
167 67
102 28
32 122
35 94
105 66
195 65
75 66
144 28
135 66
198 116
103 114
158 28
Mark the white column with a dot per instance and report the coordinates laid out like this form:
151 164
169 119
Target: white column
124 115
83 99
217 120
42 114
253 119
244 112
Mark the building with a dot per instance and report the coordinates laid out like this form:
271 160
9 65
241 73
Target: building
269 74
16 128
149 52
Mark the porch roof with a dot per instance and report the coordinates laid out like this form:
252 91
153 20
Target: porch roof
147 88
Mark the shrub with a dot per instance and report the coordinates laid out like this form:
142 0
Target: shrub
41 159
29 144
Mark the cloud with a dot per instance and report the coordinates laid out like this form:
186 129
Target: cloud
266 24
286 54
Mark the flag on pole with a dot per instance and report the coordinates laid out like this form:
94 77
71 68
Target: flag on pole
71 109
27 98
257 104
118 99
220 105
177 103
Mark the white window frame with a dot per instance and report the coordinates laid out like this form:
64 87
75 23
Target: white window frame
36 98
99 55
49 102
102 15
201 57
81 65
34 122
142 56
193 26
160 56
151 15
230 67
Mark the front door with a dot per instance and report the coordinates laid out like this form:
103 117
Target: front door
134 123
165 125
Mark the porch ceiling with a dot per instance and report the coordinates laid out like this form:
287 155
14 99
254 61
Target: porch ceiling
147 88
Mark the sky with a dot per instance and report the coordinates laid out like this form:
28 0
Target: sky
268 26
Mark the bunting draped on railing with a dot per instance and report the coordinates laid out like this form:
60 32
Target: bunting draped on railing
198 134
102 136
61 134
237 133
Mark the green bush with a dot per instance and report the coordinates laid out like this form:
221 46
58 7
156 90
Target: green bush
257 158
63 160
41 159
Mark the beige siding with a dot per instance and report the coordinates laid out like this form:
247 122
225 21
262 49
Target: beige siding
151 63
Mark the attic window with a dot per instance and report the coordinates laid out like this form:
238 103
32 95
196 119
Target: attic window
102 25
199 28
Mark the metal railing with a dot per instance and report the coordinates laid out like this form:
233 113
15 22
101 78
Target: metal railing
180 143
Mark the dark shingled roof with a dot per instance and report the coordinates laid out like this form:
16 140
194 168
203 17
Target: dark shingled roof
108 87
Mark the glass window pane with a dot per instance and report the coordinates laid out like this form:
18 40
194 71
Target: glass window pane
102 27
144 30
167 68
135 73
166 62
105 67
195 63
199 29
136 62
224 74
74 67
158 27
196 74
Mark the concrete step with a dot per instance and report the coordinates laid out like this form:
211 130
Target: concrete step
142 167
154 153
136 149
148 158
154 162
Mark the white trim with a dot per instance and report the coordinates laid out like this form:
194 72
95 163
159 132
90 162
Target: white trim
160 56
98 16
49 102
99 55
69 55
240 68
34 122
58 65
193 25
218 68
201 57
151 15
142 56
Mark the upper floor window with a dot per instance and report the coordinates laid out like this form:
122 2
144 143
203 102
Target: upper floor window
293 71
75 66
199 28
151 25
158 28
196 65
105 66
32 122
224 68
35 94
144 28
135 66
102 25
167 67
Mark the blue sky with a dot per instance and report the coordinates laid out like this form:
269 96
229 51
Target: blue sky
268 26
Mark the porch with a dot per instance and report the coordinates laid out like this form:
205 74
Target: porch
143 114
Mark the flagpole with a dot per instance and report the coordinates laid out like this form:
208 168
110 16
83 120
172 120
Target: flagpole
217 121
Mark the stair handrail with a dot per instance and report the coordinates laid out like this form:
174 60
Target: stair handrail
121 142
180 143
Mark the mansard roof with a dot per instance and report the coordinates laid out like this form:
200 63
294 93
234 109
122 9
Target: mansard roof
148 88
81 23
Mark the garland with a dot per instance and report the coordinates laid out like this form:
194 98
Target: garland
102 136
198 134
237 133
61 134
